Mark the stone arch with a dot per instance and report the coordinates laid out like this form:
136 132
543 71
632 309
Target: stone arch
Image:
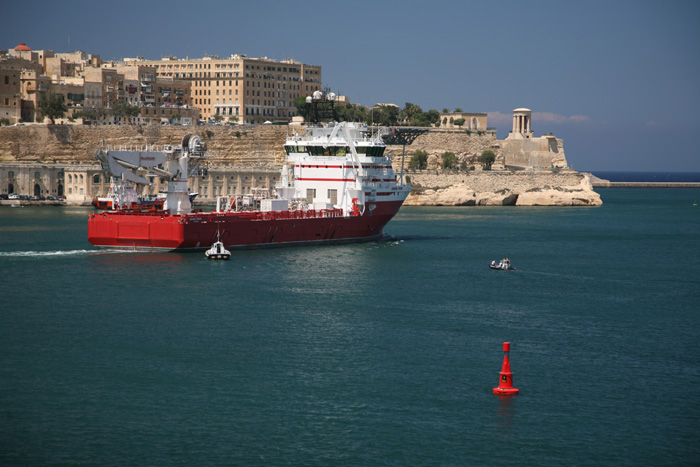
475 123
37 189
60 189
10 188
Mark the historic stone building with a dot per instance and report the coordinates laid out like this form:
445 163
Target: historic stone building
521 149
471 121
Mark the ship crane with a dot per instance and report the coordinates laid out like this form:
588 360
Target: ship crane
130 164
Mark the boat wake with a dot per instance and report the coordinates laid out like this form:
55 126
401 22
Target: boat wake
40 254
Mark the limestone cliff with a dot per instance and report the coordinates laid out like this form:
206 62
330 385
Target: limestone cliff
245 146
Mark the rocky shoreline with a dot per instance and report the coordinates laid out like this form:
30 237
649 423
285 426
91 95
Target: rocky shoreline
489 188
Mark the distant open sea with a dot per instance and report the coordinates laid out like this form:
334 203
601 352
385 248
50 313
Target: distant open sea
374 354
649 176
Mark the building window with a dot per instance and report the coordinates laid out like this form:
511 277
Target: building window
96 179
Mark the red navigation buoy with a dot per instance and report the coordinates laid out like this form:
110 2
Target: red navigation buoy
505 387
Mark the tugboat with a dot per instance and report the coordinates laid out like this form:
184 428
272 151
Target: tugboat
218 251
337 186
503 265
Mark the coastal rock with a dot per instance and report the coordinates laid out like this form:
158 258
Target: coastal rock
581 195
455 195
505 188
559 197
503 197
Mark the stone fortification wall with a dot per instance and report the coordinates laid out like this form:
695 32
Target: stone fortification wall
545 151
246 146
436 142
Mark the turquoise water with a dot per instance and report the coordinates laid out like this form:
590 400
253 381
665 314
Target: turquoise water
370 354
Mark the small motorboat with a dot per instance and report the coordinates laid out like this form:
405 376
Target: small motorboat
217 251
503 265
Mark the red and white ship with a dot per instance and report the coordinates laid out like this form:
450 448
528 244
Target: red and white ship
337 186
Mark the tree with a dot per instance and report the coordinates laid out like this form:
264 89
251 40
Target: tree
445 110
419 161
126 110
486 159
410 112
132 111
386 115
302 107
433 116
449 160
52 106
458 110
91 115
218 118
353 113
459 122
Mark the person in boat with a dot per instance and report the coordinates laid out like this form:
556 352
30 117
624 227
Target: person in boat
493 263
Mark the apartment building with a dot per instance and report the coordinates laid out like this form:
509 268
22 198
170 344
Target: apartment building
11 87
34 87
242 89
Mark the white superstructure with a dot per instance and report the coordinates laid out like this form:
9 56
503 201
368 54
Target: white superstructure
339 165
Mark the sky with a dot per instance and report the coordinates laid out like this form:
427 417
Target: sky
618 81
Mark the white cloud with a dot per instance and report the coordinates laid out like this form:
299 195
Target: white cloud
498 118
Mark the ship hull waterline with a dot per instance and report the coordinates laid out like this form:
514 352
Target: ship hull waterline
153 231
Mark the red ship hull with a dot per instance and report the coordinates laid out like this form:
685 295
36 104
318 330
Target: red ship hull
160 230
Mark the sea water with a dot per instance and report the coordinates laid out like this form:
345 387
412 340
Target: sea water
381 353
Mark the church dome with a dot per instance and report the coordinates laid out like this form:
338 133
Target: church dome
23 47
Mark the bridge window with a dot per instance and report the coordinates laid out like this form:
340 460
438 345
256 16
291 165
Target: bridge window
310 195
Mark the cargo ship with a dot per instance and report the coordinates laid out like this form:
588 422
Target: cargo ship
337 186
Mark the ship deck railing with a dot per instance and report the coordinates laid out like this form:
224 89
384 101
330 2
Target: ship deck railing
139 147
243 215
